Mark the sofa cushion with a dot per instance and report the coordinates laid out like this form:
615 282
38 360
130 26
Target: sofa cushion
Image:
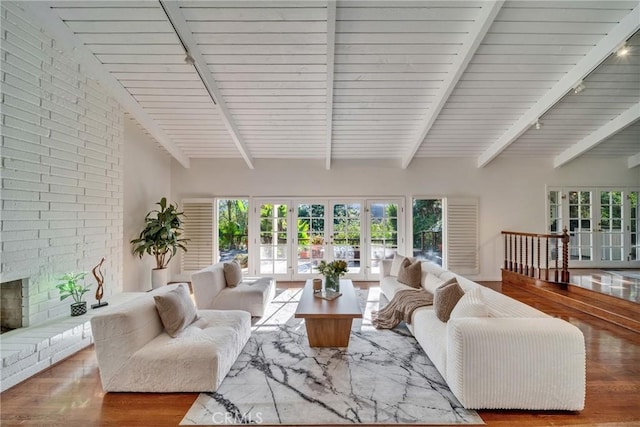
232 273
431 334
430 267
472 304
501 305
445 299
389 286
431 283
410 273
176 310
197 360
253 294
395 264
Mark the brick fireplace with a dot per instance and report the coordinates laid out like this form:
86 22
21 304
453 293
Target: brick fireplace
12 304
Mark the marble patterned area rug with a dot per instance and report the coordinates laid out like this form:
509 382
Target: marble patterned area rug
382 377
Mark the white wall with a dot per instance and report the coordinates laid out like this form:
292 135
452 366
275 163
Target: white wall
511 191
61 169
147 178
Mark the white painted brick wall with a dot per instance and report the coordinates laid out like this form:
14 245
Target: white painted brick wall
62 179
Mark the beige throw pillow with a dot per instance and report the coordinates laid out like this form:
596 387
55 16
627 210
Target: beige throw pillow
410 273
232 273
176 310
445 299
396 263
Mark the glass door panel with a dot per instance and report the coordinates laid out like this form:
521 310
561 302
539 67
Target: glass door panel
383 233
346 235
310 222
427 229
273 239
233 235
580 226
610 226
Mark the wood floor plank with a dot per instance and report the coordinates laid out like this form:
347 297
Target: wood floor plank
70 393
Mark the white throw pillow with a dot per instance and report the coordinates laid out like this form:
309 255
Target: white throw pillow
472 304
232 273
431 283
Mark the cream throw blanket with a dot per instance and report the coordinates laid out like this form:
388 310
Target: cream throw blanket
401 308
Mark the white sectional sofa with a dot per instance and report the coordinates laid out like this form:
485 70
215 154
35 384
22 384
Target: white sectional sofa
252 294
135 354
514 357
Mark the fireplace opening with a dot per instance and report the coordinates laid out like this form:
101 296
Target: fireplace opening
11 305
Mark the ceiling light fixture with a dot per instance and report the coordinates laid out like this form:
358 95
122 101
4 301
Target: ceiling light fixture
537 124
623 50
189 59
579 87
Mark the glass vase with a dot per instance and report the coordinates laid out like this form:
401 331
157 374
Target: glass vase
332 282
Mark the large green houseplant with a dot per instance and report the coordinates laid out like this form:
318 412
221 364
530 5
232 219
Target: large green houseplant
161 238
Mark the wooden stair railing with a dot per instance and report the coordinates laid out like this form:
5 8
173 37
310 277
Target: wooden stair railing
523 254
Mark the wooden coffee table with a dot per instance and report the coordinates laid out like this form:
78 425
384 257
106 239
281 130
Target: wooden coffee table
329 322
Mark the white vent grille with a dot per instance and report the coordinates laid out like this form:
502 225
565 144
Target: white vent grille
462 235
198 228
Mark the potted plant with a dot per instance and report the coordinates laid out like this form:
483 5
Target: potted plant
160 238
332 272
71 288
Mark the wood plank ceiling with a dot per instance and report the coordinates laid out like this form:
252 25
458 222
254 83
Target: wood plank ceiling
373 79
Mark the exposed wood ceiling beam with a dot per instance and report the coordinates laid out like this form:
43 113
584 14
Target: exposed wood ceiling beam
634 160
609 129
77 50
474 38
175 16
625 29
331 39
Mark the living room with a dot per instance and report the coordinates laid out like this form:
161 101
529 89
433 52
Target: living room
83 164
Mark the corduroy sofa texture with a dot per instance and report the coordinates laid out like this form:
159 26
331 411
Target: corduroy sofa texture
495 352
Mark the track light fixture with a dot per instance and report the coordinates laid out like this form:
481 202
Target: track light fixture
188 59
579 87
623 50
537 124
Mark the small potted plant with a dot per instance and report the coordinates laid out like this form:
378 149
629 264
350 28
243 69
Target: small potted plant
71 288
160 238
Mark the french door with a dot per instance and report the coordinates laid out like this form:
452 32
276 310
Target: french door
346 236
602 224
312 235
274 253
294 235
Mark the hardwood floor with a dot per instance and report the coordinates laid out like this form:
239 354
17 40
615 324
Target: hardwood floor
70 393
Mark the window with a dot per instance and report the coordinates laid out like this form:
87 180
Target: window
233 235
427 229
602 224
384 232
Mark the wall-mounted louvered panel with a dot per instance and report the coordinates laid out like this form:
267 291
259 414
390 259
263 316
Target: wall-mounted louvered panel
198 228
461 220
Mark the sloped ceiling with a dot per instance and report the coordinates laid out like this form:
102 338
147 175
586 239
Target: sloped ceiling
364 80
